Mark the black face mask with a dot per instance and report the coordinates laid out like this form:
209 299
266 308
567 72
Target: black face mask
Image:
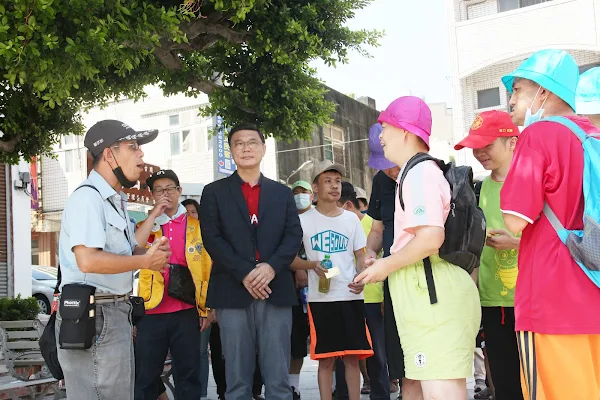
126 183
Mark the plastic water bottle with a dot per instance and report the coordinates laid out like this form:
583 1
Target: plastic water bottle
304 297
325 283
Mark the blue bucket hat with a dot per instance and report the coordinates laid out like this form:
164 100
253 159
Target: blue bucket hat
587 99
554 70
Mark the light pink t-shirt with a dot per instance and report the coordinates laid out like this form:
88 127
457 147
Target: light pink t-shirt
426 195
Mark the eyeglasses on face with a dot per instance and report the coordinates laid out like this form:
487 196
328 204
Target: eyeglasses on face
132 146
252 145
169 190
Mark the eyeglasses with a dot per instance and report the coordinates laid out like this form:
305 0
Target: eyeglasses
132 146
252 145
169 190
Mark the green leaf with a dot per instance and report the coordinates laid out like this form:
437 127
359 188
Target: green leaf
77 54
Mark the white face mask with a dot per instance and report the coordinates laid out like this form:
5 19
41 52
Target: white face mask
302 201
531 118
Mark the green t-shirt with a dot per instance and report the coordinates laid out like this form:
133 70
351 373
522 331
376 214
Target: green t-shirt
498 270
373 291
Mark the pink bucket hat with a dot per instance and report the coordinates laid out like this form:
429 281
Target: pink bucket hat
411 114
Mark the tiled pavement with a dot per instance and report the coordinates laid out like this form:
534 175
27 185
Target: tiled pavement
309 386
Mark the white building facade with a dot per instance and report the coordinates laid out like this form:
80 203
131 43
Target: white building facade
184 144
490 38
187 144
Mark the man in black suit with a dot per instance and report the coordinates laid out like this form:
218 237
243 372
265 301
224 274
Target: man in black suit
251 229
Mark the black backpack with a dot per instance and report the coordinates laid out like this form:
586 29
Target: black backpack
465 227
48 341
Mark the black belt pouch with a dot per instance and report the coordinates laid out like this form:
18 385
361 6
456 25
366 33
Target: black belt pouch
181 284
138 309
78 313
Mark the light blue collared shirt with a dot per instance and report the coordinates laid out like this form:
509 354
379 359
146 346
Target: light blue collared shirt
90 220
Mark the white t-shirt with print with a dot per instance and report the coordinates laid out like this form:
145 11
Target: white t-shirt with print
339 237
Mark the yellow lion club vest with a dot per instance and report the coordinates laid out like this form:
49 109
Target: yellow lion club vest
151 285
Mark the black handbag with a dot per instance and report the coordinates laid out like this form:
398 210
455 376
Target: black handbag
181 284
48 342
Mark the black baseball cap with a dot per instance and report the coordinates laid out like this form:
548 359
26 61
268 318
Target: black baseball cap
348 191
109 131
162 174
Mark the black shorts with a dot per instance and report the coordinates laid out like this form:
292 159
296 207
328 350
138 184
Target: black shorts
339 329
300 332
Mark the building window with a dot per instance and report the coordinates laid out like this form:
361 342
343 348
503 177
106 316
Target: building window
186 139
35 252
488 98
507 5
174 120
68 140
70 157
181 142
175 143
333 139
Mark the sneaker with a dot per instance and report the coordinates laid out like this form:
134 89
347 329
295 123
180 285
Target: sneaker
258 397
295 394
366 389
480 385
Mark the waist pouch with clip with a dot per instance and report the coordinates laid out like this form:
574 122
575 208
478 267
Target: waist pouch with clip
78 313
181 284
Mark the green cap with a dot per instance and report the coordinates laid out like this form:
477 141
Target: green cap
302 184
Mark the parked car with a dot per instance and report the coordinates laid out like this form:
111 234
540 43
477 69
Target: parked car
42 288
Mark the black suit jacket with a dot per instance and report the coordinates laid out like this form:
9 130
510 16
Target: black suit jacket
232 241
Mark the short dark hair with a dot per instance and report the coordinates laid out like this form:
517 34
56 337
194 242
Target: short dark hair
363 202
245 127
351 199
193 202
96 160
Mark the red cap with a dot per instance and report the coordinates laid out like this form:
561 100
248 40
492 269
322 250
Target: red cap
487 127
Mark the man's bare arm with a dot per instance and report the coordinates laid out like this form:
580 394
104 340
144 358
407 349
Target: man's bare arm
300 264
361 257
96 261
375 239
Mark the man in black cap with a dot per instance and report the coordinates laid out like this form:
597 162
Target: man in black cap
98 248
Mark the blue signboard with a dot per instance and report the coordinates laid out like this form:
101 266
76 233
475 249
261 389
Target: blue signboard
225 163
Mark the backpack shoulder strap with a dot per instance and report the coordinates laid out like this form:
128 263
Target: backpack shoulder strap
90 186
58 280
582 136
477 190
576 129
59 275
416 159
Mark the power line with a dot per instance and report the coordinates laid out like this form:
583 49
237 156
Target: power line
322 145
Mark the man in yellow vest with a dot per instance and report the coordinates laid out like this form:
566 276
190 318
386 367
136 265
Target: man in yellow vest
174 298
